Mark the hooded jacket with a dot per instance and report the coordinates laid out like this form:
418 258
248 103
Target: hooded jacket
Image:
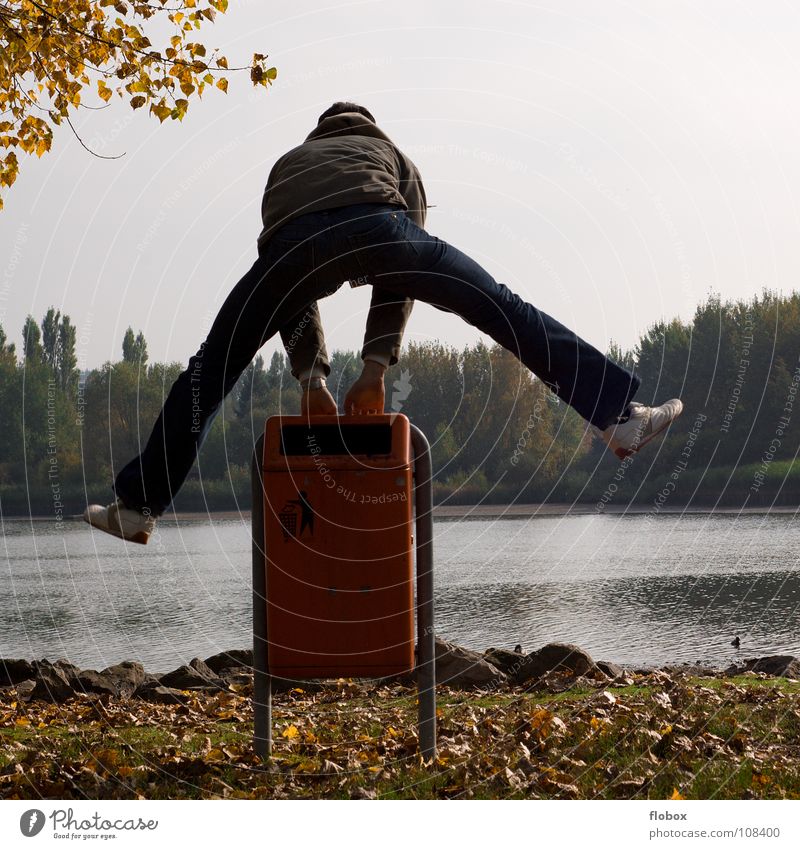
346 159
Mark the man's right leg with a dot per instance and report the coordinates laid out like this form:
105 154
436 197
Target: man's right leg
265 299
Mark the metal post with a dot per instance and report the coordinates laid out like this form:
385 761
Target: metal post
426 652
262 683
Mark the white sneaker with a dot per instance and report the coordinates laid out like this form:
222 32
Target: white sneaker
642 425
119 521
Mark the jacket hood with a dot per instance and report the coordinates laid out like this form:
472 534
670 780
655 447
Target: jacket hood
346 124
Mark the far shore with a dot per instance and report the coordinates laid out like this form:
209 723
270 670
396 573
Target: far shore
491 511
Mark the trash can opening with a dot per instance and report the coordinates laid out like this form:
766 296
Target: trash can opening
335 439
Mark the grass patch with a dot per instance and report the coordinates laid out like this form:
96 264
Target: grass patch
662 736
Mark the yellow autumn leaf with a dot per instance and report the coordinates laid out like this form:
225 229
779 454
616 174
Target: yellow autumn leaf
104 91
291 732
676 796
222 84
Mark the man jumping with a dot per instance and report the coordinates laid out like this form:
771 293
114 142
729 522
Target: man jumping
348 205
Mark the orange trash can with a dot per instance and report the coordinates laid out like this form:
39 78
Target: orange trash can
338 544
335 564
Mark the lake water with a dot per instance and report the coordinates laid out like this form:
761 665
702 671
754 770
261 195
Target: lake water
632 589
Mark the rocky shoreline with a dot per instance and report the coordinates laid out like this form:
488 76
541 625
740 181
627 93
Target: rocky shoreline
555 667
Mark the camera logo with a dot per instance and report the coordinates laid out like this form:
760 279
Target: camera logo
31 822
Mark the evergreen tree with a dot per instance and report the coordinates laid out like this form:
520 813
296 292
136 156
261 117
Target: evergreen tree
50 338
67 358
134 348
32 342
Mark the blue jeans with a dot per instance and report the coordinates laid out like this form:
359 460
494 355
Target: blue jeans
310 257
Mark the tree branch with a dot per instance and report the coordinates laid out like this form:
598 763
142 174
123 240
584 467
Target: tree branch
86 147
150 55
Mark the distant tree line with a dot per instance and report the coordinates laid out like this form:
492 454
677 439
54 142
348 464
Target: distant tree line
497 434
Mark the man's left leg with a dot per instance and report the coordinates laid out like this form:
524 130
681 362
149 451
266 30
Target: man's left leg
403 258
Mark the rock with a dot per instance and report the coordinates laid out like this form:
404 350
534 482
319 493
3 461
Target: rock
456 667
612 670
52 684
91 681
562 657
24 689
202 668
464 669
127 676
152 691
189 678
237 675
15 671
230 659
778 665
506 661
69 669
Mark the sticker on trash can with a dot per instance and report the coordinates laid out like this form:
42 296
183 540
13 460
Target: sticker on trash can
292 510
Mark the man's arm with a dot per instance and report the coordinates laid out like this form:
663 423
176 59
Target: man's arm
304 342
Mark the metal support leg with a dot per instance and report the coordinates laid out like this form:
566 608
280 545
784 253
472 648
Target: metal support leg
262 684
426 653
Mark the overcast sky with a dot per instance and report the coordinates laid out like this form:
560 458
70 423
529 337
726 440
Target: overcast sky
611 162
